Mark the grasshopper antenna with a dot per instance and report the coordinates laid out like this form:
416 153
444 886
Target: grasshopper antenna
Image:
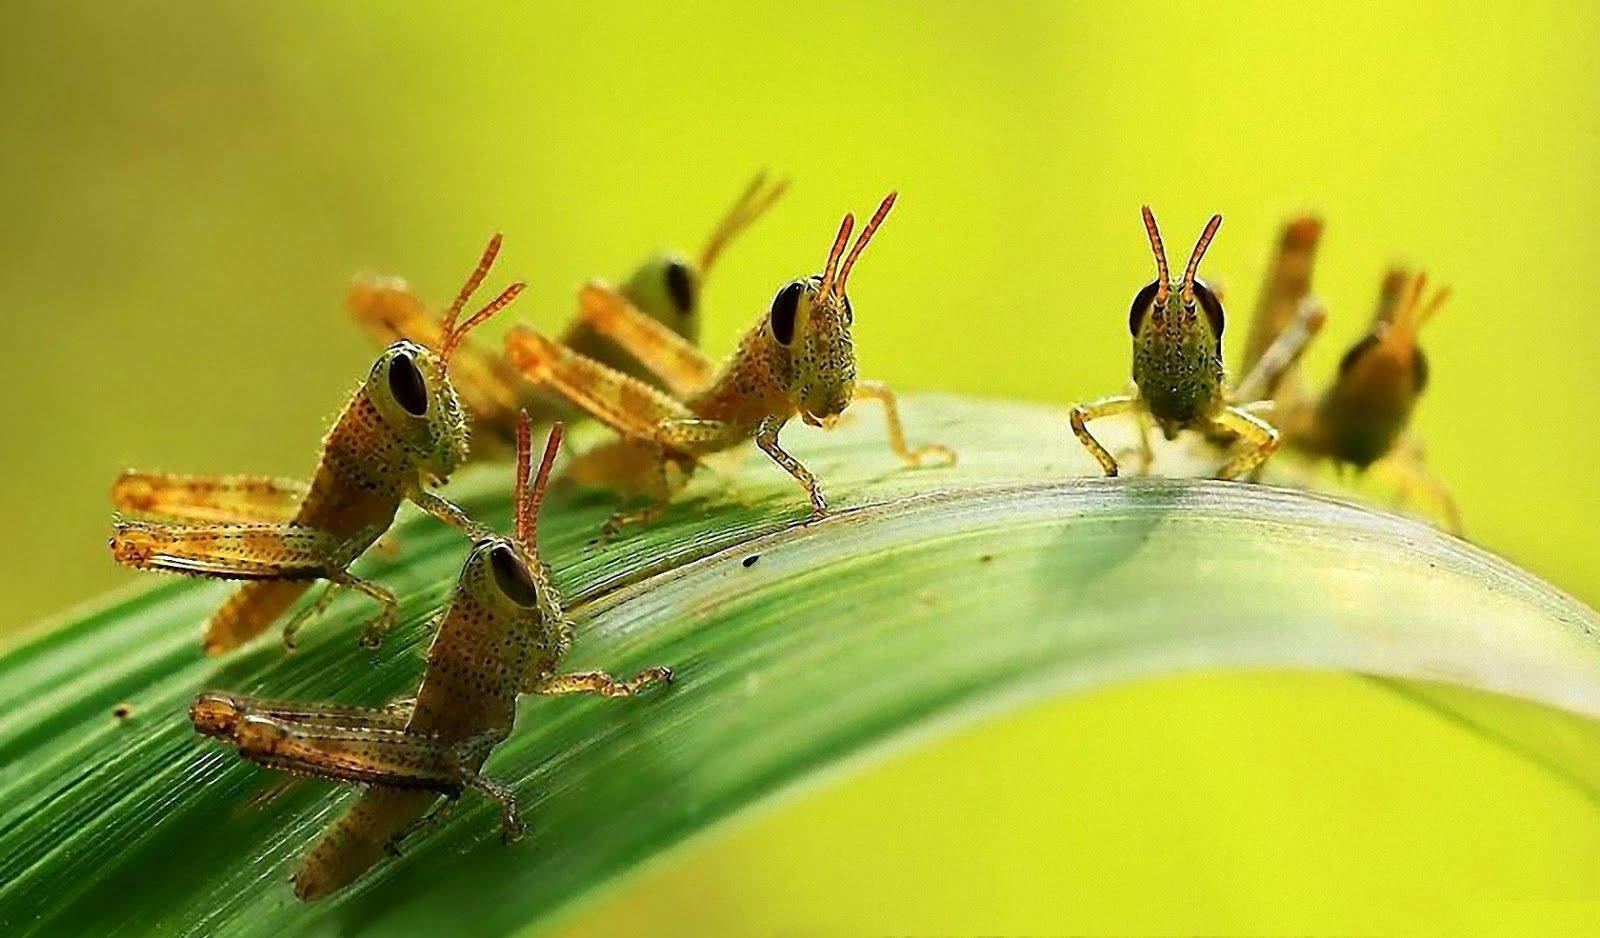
454 334
1163 287
1412 313
839 240
529 498
861 242
1194 259
751 205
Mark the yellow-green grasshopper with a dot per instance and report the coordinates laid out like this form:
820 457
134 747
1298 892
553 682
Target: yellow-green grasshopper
666 287
1178 371
797 359
400 433
502 635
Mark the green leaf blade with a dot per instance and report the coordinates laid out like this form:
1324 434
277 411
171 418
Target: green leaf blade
933 599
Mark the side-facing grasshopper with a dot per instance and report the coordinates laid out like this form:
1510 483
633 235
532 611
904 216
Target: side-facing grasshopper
797 359
502 635
401 432
666 287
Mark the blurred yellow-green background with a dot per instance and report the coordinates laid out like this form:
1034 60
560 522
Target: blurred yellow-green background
189 186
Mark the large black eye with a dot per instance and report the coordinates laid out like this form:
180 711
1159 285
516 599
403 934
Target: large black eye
511 575
784 307
1210 305
1141 305
407 386
1356 351
680 284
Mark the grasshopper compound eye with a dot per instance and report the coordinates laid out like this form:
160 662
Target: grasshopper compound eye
407 385
1210 305
680 286
511 576
784 307
1141 305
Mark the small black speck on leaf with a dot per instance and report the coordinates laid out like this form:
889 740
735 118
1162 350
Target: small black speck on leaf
750 561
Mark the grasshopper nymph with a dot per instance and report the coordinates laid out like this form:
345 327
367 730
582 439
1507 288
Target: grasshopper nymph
666 287
1361 418
502 635
1177 365
797 359
401 432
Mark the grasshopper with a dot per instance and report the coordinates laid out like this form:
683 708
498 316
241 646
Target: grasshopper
1360 419
1178 375
797 359
401 431
665 287
502 635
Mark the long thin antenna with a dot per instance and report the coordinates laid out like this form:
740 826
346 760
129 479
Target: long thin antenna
861 242
529 499
519 488
845 227
751 205
1412 313
1163 285
453 334
452 341
474 281
1194 259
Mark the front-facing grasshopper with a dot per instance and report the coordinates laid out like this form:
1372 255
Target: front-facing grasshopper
666 287
401 432
1177 365
797 359
502 635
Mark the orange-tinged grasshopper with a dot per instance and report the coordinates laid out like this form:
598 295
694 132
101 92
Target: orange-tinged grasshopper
1178 373
502 635
797 359
666 287
401 432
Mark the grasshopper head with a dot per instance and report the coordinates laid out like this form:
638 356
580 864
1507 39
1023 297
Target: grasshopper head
810 321
410 387
667 287
1387 362
1171 309
505 576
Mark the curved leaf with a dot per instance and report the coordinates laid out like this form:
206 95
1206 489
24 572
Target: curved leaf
932 598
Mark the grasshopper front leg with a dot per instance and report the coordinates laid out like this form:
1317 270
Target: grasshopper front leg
1261 439
767 439
878 391
1105 407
